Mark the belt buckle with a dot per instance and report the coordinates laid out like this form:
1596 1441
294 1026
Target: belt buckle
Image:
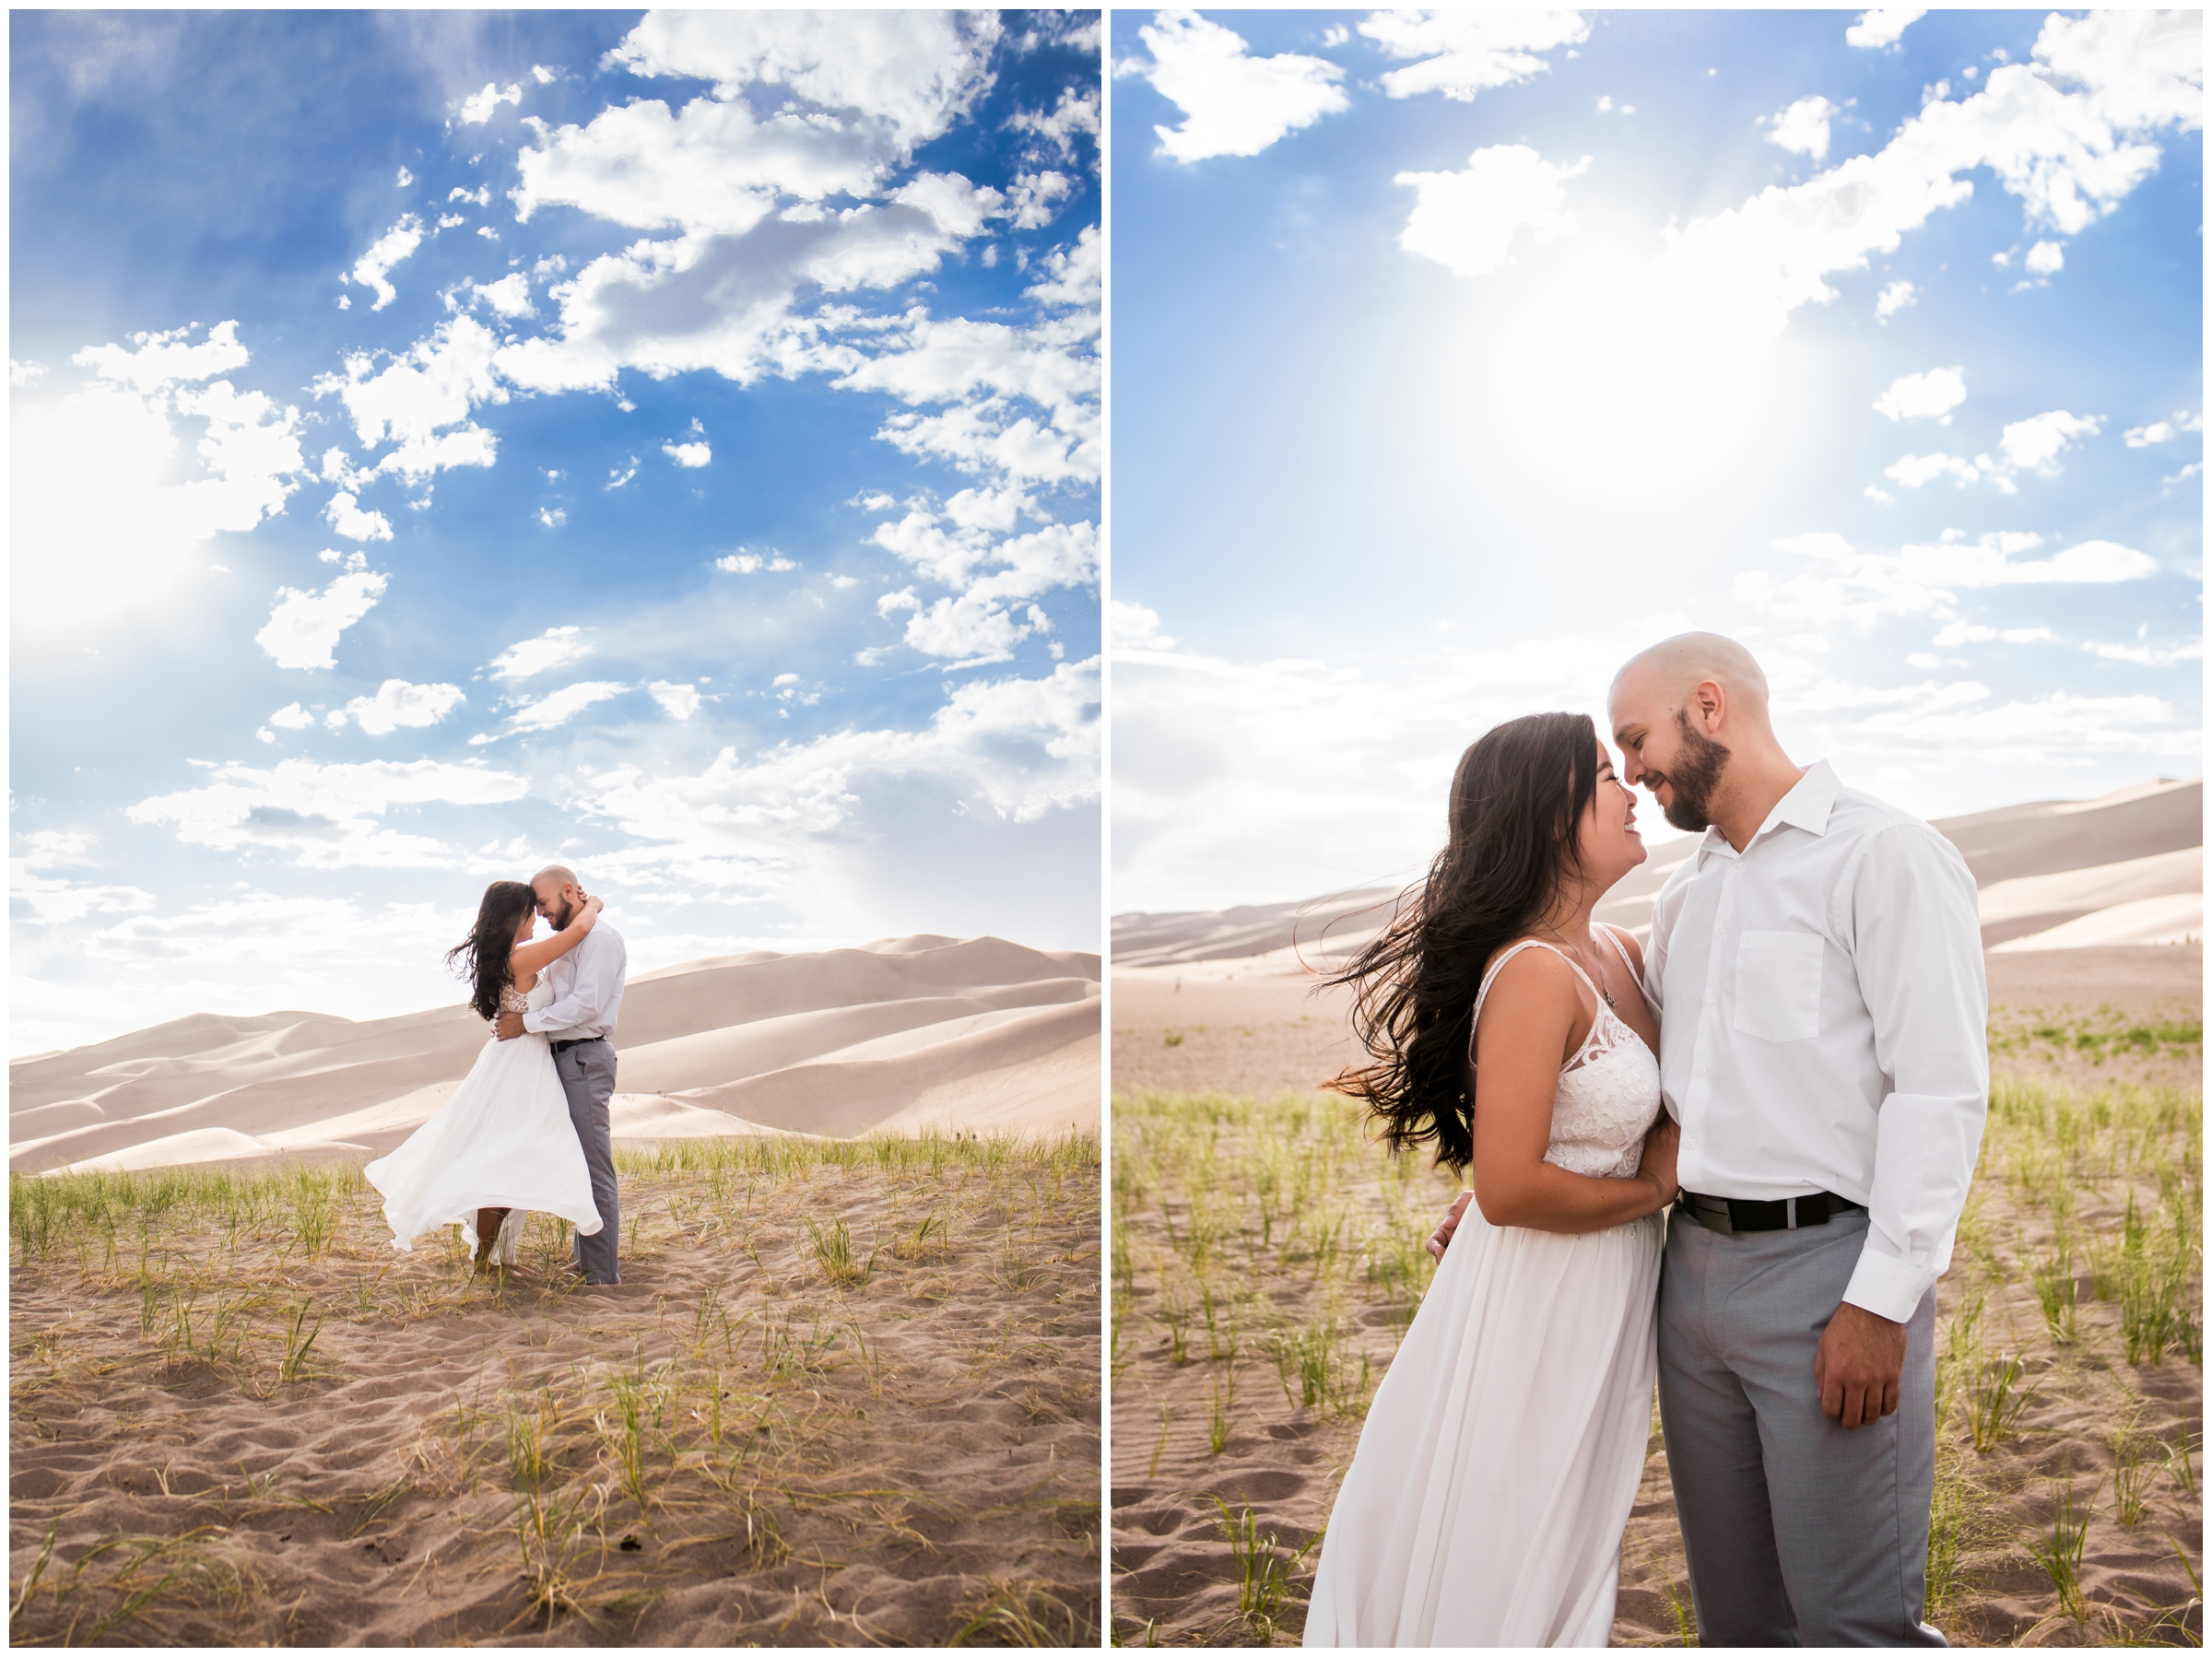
1722 1219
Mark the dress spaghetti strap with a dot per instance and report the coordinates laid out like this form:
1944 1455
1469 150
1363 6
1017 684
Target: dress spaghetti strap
1498 966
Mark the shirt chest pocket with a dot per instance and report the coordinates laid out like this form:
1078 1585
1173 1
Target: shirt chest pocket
1778 985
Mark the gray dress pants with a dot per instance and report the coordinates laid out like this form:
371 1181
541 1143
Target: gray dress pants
587 1076
1797 1532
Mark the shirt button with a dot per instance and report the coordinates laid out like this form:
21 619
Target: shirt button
1712 1000
1699 1071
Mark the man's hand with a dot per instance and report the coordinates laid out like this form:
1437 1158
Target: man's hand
1857 1367
510 1026
1440 1238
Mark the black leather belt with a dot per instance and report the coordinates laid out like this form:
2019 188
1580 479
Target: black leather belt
1741 1214
580 1041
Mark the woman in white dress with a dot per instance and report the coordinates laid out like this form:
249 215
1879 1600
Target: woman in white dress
1502 1454
503 1143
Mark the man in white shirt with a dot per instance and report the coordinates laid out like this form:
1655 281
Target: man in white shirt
587 999
1818 965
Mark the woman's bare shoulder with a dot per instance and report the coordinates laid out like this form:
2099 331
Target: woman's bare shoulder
1626 940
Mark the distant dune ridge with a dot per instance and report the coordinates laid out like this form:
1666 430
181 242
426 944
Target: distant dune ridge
899 1035
2125 868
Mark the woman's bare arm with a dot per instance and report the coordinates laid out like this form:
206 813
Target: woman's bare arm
532 957
1531 1022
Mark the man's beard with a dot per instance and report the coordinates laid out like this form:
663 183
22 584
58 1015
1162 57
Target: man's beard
564 911
1695 773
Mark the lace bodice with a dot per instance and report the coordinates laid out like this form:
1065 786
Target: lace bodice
513 1000
1609 1092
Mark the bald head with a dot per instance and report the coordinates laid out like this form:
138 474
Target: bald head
559 874
1674 668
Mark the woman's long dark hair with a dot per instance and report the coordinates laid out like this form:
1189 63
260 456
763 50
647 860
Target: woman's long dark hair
1517 805
481 958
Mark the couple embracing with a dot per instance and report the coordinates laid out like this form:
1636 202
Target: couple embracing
1792 1070
528 1128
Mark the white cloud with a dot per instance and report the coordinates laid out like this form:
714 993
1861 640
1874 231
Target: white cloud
421 400
100 519
723 302
479 107
619 476
1928 397
709 168
327 816
913 72
1962 632
395 244
2148 655
161 360
1073 275
2161 431
1467 220
540 73
2046 258
1894 299
2037 442
994 574
23 374
1913 470
1885 27
1134 626
292 717
680 702
1013 749
1233 104
1470 50
552 517
510 296
396 704
44 901
1802 129
346 516
1032 197
555 647
563 705
687 454
56 849
405 178
480 195
303 630
2097 561
1845 585
1077 112
2071 156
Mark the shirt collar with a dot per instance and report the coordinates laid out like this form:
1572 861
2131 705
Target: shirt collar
1805 806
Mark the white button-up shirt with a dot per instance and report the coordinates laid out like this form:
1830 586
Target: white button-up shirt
587 988
1824 1021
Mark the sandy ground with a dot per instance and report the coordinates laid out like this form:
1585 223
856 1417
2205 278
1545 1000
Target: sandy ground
885 1461
2060 1016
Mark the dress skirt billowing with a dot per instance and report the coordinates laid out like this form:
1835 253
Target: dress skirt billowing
504 1140
1502 1454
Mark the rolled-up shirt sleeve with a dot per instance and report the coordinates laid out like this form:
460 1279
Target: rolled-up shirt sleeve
1910 912
584 1001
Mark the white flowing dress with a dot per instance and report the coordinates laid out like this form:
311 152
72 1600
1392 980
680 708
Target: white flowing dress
1500 1458
504 1140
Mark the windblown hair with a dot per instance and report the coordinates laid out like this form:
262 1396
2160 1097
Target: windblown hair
1517 802
482 957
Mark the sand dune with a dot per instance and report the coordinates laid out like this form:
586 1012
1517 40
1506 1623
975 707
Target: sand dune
2053 875
899 1034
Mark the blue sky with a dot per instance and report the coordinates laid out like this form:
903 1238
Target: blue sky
1458 355
446 441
